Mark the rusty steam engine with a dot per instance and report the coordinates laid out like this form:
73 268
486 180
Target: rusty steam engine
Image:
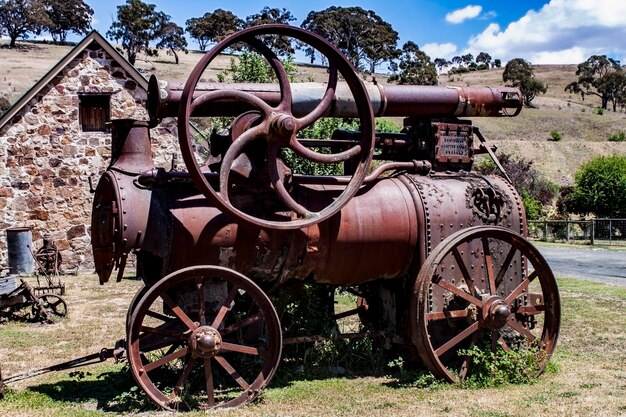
435 252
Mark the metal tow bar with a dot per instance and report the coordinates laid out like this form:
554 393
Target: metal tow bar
118 353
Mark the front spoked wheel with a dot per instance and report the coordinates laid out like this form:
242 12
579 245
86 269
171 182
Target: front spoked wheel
204 337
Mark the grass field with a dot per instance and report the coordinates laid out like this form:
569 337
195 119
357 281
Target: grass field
587 375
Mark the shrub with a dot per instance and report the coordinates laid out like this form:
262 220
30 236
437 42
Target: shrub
600 188
555 136
617 137
598 111
489 369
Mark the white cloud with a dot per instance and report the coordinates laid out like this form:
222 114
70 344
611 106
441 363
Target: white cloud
439 50
460 15
562 31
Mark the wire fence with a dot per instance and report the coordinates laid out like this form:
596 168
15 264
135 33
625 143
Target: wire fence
594 231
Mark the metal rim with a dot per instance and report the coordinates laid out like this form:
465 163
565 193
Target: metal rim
496 304
54 304
279 124
211 319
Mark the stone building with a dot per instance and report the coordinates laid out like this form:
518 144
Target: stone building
56 138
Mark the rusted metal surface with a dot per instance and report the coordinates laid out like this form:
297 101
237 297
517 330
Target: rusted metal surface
164 98
434 252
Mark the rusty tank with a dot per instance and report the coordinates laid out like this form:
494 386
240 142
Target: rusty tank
435 252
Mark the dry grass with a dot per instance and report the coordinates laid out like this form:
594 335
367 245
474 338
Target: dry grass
590 359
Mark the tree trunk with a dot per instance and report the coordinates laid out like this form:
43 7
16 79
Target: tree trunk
132 57
175 55
12 43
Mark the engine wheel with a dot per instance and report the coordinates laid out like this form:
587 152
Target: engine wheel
274 127
204 337
483 285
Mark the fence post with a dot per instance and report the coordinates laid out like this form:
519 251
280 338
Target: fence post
567 230
593 231
545 230
610 232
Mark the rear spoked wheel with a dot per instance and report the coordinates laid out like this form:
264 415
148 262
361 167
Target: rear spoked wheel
204 337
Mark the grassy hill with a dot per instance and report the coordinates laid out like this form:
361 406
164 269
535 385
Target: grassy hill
585 133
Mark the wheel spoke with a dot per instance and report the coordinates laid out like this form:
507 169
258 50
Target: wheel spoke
457 291
208 376
179 312
158 316
231 347
449 314
520 329
241 324
468 279
279 69
231 371
505 264
234 150
456 339
225 307
162 332
517 291
178 389
279 187
165 359
326 101
530 310
489 265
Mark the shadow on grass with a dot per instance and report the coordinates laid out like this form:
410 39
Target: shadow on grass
113 391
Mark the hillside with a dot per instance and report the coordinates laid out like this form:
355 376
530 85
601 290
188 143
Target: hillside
584 132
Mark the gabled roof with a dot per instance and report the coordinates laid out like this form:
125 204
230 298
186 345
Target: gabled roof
75 52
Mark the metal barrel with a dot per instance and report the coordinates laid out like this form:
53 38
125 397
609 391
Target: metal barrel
391 100
19 244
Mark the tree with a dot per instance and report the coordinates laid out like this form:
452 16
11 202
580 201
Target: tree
441 63
18 18
467 59
519 73
483 58
136 26
599 76
457 60
213 27
67 16
497 63
360 34
281 45
172 38
415 67
600 188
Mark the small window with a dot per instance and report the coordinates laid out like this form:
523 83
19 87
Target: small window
95 112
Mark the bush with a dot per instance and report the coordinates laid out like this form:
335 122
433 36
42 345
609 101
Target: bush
617 137
555 136
526 179
489 369
598 111
600 188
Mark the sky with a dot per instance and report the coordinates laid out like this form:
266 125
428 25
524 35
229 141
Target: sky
540 31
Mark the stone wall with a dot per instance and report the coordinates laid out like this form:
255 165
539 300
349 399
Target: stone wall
46 160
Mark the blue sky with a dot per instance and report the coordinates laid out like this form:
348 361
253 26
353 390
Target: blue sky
541 31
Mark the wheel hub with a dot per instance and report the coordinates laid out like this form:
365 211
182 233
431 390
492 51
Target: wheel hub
205 342
495 312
